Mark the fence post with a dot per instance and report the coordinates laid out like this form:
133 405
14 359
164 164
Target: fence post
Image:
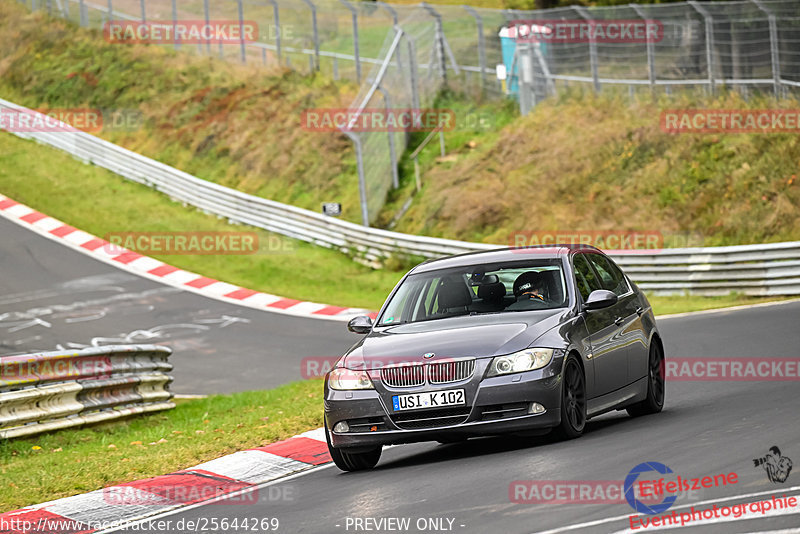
481 42
240 11
277 17
584 14
207 19
412 67
313 9
174 23
440 52
390 9
527 98
651 52
709 22
362 184
387 105
110 10
354 13
82 14
773 46
143 11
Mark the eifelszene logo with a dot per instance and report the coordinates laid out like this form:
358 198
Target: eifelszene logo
636 504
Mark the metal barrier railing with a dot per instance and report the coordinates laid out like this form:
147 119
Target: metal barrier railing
48 391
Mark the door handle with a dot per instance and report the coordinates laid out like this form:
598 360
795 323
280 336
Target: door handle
618 321
639 311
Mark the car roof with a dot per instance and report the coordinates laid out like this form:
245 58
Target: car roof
501 255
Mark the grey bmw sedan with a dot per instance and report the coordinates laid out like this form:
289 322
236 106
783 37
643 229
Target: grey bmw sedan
524 340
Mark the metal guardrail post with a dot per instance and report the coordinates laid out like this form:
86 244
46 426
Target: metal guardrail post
773 46
709 23
240 12
481 43
651 54
276 15
354 13
387 105
313 9
584 14
362 183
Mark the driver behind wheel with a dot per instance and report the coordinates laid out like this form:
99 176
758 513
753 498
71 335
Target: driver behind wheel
530 286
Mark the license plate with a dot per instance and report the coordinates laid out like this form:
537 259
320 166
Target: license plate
429 399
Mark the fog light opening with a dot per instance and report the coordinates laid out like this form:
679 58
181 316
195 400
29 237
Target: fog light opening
536 408
341 427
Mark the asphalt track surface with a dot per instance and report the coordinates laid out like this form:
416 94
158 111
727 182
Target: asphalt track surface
53 297
706 428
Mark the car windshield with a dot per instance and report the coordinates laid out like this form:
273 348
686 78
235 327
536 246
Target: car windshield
477 289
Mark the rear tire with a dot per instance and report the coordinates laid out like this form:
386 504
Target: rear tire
573 402
654 401
352 461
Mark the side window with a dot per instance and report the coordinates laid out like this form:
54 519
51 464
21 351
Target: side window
584 276
610 275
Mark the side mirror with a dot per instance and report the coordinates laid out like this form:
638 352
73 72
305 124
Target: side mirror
599 299
360 325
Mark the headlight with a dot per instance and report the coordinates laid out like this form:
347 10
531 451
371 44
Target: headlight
524 360
346 379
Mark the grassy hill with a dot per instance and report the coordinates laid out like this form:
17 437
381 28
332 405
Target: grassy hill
575 163
603 163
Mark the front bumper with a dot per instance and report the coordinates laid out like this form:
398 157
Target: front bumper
494 406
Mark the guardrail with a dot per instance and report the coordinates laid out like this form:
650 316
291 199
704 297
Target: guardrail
769 269
52 390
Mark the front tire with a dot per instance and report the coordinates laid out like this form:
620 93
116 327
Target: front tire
654 401
352 461
573 402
